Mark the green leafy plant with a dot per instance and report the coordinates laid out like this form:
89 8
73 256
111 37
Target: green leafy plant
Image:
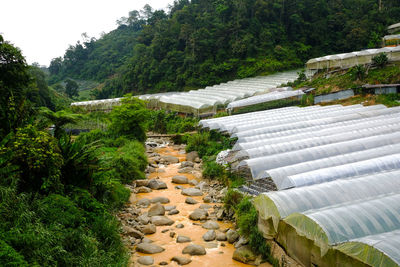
380 60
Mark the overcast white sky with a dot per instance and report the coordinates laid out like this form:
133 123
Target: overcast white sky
43 29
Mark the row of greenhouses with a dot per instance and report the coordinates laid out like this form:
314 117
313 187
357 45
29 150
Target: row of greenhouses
348 60
287 92
208 100
335 171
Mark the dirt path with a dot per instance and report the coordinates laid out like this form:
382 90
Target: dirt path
219 253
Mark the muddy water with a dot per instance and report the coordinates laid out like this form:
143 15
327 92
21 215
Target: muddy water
217 255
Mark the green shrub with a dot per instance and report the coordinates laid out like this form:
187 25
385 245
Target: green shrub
213 170
130 161
380 60
232 199
358 72
9 257
38 158
130 119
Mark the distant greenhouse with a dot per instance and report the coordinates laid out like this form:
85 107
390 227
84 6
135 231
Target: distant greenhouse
348 60
207 101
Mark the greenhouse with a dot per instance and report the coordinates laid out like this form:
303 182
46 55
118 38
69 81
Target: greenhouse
374 250
279 93
314 232
277 205
333 176
348 60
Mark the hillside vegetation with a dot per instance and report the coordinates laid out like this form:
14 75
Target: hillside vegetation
203 42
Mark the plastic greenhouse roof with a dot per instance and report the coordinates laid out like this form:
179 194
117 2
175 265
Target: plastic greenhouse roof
280 204
374 165
338 224
252 122
281 173
322 121
375 250
314 141
265 98
324 130
258 166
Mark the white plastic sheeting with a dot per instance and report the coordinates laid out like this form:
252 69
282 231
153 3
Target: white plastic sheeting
375 165
335 192
258 166
335 137
358 219
258 121
208 99
308 123
281 173
347 60
304 116
388 243
265 98
320 130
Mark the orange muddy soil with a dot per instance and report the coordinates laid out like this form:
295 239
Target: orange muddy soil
217 255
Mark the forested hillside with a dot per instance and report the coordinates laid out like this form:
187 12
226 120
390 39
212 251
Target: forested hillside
202 42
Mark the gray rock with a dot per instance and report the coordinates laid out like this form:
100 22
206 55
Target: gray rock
180 226
194 249
191 192
169 207
191 156
157 184
178 187
183 239
197 160
185 164
156 210
185 170
146 240
143 189
163 263
149 229
150 169
193 182
170 159
244 254
172 234
143 219
144 202
162 200
173 212
198 214
209 235
181 260
232 236
202 186
190 200
160 170
220 214
146 260
211 244
241 242
205 206
221 236
211 225
179 179
164 231
149 248
143 182
207 199
132 232
161 220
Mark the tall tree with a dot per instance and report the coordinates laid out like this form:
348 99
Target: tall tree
71 88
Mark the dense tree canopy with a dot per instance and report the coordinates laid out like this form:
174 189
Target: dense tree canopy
202 42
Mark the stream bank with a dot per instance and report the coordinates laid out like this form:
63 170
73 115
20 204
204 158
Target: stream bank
174 212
